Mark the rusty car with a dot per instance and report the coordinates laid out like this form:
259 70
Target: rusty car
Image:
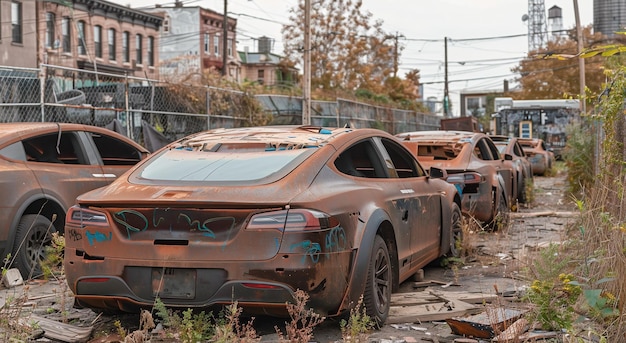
44 167
522 167
474 166
540 157
252 215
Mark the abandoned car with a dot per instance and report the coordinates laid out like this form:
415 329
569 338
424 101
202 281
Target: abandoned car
474 166
522 168
255 214
538 154
44 167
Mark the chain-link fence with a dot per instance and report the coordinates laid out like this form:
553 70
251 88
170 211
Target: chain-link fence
143 109
288 110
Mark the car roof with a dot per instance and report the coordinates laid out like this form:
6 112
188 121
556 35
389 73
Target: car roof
10 132
442 136
285 137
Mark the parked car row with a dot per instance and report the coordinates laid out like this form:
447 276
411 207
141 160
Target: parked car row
249 214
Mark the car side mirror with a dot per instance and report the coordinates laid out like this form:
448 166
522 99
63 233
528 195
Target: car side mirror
438 173
508 157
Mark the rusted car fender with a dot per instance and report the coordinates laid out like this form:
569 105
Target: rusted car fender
356 285
446 221
52 206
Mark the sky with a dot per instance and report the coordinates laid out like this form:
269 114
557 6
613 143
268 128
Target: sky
486 38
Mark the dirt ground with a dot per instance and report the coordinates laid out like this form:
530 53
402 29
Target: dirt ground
495 266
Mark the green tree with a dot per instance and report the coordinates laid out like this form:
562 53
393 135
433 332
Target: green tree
553 73
349 50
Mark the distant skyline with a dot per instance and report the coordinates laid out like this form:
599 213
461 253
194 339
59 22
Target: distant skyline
486 38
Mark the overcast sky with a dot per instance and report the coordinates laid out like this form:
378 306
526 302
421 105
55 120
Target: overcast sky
473 64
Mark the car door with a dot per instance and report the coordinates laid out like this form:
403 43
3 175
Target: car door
59 162
424 199
114 155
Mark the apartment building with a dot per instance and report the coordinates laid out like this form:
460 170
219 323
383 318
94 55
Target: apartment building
192 42
98 35
18 38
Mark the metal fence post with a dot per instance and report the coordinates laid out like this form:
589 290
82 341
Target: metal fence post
208 108
126 106
42 92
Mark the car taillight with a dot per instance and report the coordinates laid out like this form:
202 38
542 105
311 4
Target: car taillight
82 216
292 220
465 178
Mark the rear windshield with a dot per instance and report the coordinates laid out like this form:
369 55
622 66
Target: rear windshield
439 152
198 165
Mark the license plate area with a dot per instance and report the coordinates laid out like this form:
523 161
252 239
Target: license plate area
174 283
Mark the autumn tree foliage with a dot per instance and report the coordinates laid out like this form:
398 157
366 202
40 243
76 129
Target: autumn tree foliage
553 73
349 50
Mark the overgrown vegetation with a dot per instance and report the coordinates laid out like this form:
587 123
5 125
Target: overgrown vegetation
581 278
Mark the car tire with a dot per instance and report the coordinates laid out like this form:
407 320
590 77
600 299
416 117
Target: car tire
521 194
501 217
33 234
378 287
456 232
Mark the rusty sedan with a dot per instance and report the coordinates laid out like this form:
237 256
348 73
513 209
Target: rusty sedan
43 168
538 154
522 168
253 215
474 166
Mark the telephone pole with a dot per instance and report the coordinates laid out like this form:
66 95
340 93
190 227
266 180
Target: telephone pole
446 95
225 40
306 82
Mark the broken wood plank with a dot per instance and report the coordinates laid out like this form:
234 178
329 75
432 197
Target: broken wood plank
468 297
522 215
60 331
432 311
486 324
512 333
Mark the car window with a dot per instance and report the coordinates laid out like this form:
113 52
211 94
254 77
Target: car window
402 160
361 160
187 164
482 151
14 151
114 151
54 148
517 149
495 154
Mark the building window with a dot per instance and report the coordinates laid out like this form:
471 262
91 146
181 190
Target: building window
261 76
125 47
82 50
166 24
66 30
206 43
112 44
216 45
230 47
50 36
526 129
16 22
151 51
97 40
138 47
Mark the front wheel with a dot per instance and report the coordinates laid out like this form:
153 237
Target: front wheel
377 295
34 233
456 232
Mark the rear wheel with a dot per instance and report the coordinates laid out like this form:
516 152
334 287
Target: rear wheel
456 232
501 218
33 234
377 295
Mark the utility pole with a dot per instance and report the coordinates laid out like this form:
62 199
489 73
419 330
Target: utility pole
446 95
395 56
581 61
306 82
225 40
